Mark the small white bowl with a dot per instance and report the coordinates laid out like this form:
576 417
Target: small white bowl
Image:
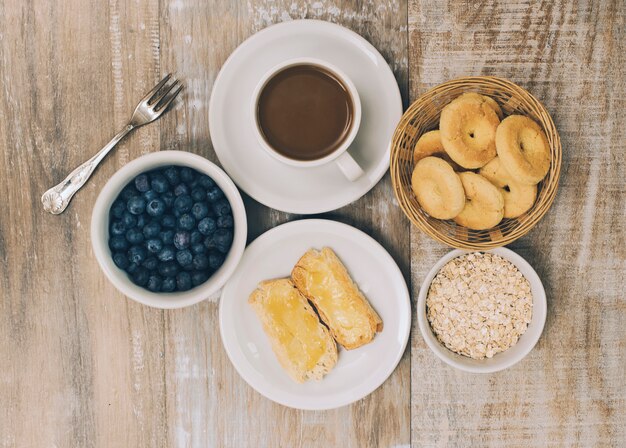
100 229
501 360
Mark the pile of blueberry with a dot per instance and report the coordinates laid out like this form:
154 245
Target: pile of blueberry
170 229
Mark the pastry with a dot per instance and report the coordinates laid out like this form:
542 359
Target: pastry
484 206
468 130
523 149
429 144
302 344
438 188
518 198
324 280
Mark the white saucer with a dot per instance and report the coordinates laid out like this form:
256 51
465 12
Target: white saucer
358 372
277 185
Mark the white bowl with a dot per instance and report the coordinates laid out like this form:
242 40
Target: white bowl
100 229
501 360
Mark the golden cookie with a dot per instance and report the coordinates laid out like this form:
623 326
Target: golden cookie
438 188
518 198
468 131
429 144
523 149
484 205
490 101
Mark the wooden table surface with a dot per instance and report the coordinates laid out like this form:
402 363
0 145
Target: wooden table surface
82 366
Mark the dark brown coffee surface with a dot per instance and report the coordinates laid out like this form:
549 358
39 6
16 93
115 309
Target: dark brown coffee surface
304 112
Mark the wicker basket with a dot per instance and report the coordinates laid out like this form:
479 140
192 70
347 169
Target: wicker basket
423 116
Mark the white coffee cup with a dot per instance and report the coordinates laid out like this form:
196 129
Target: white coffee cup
348 166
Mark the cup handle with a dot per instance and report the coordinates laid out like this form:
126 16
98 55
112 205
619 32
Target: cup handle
349 167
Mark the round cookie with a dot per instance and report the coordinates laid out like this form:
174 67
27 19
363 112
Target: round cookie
438 188
468 131
518 198
429 144
523 149
484 205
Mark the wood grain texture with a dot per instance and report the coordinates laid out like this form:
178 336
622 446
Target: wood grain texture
571 389
82 366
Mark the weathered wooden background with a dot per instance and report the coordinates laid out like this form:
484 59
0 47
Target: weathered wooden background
82 366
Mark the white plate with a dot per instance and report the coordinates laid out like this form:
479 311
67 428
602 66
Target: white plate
358 372
275 184
502 360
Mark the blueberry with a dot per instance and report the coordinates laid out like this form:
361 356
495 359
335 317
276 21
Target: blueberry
198 194
134 236
183 281
214 194
152 229
168 284
197 278
198 248
120 260
167 236
168 199
150 195
118 242
207 226
159 183
199 210
128 192
168 269
137 254
186 222
187 174
181 189
182 239
172 176
225 222
118 208
196 237
221 207
205 182
150 263
154 245
215 259
155 207
183 203
200 262
142 183
129 219
184 257
140 276
142 220
209 242
166 254
168 221
117 228
223 237
154 283
132 268
136 205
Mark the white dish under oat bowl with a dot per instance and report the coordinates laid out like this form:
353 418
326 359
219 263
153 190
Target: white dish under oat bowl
502 360
100 229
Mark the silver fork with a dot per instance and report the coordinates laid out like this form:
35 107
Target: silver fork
151 107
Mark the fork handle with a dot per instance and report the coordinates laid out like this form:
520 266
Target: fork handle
57 198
